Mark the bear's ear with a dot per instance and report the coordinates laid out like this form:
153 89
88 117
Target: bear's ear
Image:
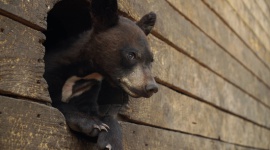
104 13
147 22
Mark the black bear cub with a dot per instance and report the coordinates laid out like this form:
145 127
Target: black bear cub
112 58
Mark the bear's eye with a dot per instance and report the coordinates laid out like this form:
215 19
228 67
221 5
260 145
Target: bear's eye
131 55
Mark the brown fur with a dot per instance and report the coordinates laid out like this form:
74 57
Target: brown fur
117 49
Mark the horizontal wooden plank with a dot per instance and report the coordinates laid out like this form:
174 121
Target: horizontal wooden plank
184 74
171 110
187 37
238 17
265 9
149 138
32 12
21 61
29 125
254 18
26 124
257 13
268 3
217 59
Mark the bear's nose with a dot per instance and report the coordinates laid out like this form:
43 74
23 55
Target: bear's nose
151 88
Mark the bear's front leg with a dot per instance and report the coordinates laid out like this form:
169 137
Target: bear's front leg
79 104
113 138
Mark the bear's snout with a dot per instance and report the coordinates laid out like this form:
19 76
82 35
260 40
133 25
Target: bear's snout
139 82
151 88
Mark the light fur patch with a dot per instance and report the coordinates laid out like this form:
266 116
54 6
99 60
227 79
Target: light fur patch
68 86
95 76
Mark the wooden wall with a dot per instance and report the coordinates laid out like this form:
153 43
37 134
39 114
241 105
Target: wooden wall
212 60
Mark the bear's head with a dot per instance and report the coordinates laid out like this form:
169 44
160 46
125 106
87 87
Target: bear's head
121 50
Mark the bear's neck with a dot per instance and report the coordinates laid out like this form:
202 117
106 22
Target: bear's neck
80 51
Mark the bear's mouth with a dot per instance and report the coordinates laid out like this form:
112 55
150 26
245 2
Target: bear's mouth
133 92
129 92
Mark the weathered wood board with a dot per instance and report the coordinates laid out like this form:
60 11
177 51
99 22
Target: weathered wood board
248 29
203 17
150 138
252 11
223 71
30 12
258 14
21 61
30 131
264 8
30 125
211 53
188 38
189 77
171 110
126 5
226 65
181 33
268 3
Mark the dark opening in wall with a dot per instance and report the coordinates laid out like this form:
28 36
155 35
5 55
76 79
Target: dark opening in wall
66 20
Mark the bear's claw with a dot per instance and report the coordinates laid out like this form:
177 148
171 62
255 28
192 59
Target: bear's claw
104 128
105 125
96 127
101 127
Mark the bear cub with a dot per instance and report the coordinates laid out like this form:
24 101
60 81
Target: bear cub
105 64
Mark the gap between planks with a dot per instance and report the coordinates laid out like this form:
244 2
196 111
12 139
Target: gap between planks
31 25
21 20
188 94
254 15
176 47
38 28
182 51
186 133
165 40
160 37
12 95
263 12
225 22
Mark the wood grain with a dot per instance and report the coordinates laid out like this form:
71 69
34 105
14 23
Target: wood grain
247 28
268 3
35 126
29 125
171 110
183 74
264 8
221 62
258 14
149 138
21 61
30 12
181 33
